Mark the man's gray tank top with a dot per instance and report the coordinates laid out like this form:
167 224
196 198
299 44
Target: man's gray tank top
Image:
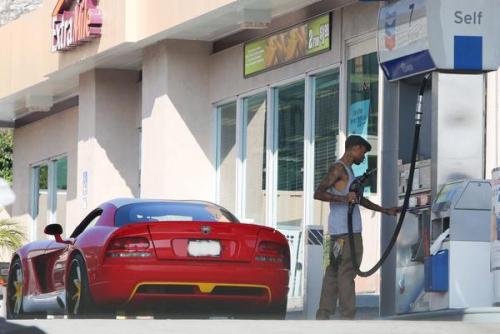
337 219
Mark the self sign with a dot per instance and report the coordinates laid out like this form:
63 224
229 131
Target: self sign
473 18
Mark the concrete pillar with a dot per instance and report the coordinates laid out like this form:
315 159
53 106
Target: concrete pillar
492 122
389 191
178 123
108 136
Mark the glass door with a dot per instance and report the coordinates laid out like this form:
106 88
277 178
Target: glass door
254 157
289 105
226 155
326 98
362 109
290 155
362 99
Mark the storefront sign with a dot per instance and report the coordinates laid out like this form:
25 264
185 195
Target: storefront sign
75 22
298 42
403 39
417 36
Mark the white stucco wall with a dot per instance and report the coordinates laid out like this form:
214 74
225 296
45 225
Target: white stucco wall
178 125
101 137
48 138
125 21
108 137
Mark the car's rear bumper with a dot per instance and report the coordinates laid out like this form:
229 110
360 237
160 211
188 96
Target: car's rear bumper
226 283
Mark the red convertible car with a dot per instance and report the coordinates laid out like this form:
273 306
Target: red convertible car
134 254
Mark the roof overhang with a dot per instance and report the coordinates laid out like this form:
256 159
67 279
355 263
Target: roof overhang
226 20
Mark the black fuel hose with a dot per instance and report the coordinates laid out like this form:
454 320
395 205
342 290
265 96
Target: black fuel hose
416 136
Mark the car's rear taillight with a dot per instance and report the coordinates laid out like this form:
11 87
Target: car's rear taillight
126 247
269 251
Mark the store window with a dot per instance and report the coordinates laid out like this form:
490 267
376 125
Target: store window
49 195
275 196
362 108
40 210
254 111
61 173
226 155
326 132
290 154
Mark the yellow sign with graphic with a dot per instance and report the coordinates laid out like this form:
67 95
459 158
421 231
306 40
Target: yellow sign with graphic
290 45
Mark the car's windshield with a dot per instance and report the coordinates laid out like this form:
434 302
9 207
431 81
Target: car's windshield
172 211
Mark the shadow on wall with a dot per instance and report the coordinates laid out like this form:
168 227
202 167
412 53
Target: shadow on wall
117 119
185 88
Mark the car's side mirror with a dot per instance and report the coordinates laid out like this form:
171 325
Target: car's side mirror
56 230
53 229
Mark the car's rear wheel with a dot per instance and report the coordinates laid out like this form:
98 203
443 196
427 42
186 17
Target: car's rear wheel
272 312
78 301
15 286
277 312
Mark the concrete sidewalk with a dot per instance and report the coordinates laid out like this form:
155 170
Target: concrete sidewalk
61 326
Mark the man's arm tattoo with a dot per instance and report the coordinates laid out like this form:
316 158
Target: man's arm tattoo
322 194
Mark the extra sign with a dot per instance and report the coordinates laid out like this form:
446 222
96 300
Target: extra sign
75 22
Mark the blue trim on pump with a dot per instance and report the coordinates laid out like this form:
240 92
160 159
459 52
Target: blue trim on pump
468 52
408 65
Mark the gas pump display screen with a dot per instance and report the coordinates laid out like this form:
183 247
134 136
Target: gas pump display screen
448 192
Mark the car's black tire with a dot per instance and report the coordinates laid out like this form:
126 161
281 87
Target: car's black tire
78 300
15 285
277 312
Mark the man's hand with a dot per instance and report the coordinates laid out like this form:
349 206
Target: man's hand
392 211
351 198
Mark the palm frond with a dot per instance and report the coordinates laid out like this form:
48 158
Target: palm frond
11 237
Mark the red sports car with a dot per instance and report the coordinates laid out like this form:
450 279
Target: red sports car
158 255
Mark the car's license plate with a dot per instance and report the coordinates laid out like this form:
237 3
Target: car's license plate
204 248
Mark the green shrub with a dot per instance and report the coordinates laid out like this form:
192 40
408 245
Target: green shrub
6 149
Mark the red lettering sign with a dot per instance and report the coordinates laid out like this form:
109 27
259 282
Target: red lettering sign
75 22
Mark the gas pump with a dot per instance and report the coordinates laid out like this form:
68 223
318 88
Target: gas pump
454 271
444 247
457 41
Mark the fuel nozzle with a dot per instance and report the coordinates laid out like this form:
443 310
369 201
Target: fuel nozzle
420 99
358 185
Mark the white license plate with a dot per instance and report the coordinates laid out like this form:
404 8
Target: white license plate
204 248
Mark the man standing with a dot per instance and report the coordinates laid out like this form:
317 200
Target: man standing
338 282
